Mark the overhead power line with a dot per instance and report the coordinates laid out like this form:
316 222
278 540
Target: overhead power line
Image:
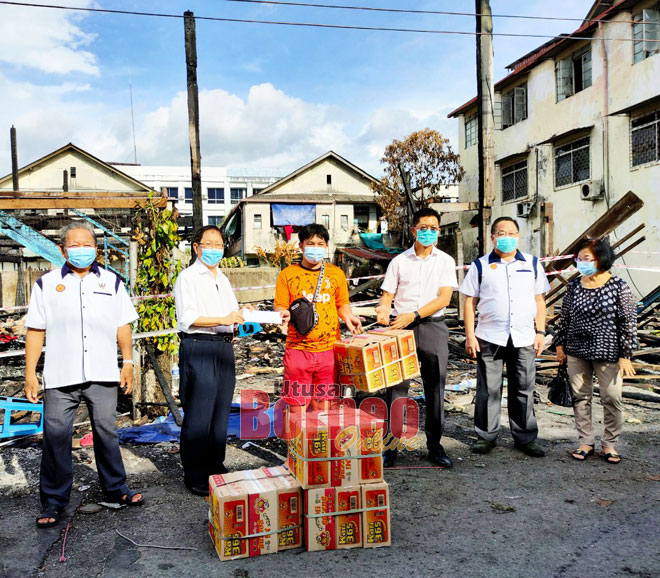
304 24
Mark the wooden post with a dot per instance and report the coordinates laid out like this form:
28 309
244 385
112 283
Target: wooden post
14 158
461 272
485 118
410 204
193 118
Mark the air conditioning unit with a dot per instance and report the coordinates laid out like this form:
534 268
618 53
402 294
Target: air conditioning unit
592 191
524 210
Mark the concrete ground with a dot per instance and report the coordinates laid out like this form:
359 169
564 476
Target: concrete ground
501 515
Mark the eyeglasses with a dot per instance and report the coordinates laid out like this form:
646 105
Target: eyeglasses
85 245
425 228
211 245
587 260
502 234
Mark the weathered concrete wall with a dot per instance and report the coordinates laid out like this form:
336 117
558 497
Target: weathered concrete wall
251 277
9 285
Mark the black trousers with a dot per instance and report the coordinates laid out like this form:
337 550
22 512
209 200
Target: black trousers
431 338
208 377
60 404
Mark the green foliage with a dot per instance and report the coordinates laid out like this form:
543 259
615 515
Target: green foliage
232 263
156 233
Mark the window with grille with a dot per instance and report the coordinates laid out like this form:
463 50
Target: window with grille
514 181
257 222
215 220
173 193
573 74
514 106
646 34
645 138
215 196
188 195
572 162
325 221
471 130
237 195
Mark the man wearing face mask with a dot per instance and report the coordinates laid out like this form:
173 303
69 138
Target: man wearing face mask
309 360
83 312
507 287
206 312
420 282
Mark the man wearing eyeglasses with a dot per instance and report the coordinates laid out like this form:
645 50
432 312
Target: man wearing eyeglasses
206 312
507 287
420 282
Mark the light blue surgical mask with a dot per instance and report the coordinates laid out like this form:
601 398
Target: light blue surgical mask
427 237
314 254
211 257
506 244
587 268
81 257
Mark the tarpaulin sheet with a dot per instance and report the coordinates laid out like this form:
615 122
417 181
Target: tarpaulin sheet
295 215
168 431
374 241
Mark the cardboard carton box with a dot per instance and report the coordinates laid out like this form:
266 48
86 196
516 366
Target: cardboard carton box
262 516
348 527
407 349
309 441
289 512
389 351
359 362
376 522
320 530
229 507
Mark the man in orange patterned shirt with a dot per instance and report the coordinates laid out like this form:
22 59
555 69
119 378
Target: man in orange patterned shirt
309 360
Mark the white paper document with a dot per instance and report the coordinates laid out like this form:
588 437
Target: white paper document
272 317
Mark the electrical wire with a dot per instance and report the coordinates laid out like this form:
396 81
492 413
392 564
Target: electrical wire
309 24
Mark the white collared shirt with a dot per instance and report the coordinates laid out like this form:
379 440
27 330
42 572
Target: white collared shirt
198 294
81 317
507 304
414 281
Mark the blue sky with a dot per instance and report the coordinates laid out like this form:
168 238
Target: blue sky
270 96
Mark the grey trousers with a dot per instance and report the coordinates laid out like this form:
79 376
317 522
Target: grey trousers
431 339
60 406
610 382
521 376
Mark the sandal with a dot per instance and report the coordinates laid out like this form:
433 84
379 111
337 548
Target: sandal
53 513
584 455
612 458
119 500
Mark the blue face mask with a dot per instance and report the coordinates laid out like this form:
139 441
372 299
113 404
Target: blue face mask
211 257
587 268
314 254
427 237
81 257
506 244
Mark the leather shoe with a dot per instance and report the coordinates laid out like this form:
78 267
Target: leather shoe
531 449
438 457
483 446
198 490
389 458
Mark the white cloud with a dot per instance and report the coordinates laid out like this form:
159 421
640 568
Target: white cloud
46 39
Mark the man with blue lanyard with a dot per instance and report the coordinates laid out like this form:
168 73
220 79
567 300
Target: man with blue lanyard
206 312
420 282
507 287
83 312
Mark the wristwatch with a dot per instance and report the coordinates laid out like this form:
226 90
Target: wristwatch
539 332
418 317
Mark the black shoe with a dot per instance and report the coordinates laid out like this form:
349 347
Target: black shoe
438 457
389 458
221 470
201 490
483 446
531 449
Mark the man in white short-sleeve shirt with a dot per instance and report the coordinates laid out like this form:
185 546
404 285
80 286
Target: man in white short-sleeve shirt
507 287
419 282
83 312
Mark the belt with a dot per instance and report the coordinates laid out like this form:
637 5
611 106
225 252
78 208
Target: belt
226 337
432 319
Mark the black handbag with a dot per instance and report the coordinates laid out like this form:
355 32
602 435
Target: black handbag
303 313
559 389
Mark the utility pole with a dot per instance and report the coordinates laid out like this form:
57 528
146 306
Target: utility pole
193 118
14 157
485 119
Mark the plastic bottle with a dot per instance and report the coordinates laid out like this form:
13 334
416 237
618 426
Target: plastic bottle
175 379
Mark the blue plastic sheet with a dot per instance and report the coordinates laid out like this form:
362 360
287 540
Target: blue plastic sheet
294 215
166 430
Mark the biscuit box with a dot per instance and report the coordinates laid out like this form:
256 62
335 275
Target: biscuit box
389 351
360 363
228 526
320 530
262 516
348 525
289 512
407 349
307 443
376 517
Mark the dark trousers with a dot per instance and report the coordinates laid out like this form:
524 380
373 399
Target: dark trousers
208 378
60 406
521 377
431 339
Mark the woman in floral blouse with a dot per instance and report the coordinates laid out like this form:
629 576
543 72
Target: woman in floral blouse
597 335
